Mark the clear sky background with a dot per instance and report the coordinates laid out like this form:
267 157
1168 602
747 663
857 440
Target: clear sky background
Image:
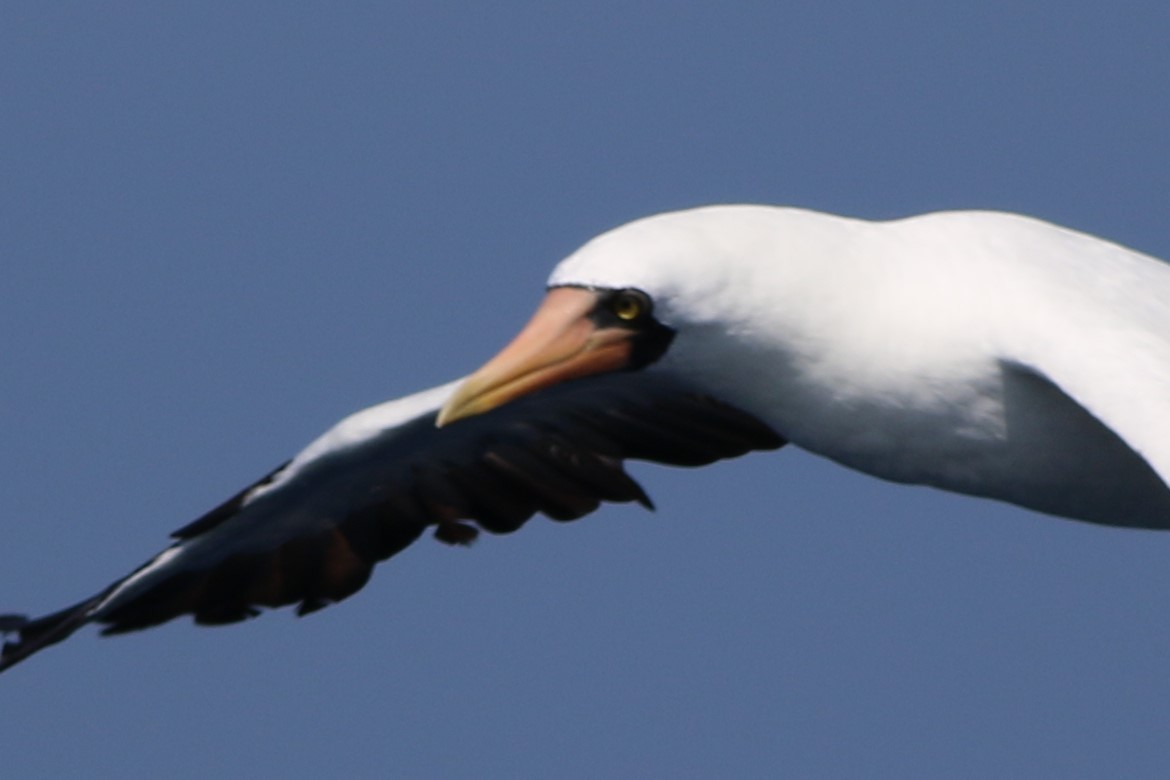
223 228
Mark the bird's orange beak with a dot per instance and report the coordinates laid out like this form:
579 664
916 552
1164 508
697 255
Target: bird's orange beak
559 343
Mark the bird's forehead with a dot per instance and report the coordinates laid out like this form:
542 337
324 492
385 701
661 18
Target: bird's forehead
652 254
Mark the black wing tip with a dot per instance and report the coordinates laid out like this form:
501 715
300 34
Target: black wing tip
35 634
12 623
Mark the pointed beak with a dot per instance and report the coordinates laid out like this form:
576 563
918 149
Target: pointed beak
560 342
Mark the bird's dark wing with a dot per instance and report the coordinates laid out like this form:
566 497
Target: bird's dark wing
312 537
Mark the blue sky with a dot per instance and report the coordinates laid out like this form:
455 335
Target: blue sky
222 228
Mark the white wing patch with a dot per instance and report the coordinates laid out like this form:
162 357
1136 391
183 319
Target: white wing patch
358 428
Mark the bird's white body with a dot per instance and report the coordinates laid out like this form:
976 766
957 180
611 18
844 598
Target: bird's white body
984 353
981 352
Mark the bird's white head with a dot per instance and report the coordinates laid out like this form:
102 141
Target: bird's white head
689 290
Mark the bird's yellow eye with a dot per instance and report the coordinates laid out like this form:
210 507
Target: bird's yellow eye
629 305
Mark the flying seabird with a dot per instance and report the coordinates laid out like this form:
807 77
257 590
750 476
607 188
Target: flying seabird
984 353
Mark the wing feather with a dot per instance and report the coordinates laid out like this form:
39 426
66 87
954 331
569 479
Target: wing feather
1093 318
310 532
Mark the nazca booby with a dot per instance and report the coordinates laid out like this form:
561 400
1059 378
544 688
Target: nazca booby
979 352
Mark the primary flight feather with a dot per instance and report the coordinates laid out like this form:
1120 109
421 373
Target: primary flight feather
984 353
